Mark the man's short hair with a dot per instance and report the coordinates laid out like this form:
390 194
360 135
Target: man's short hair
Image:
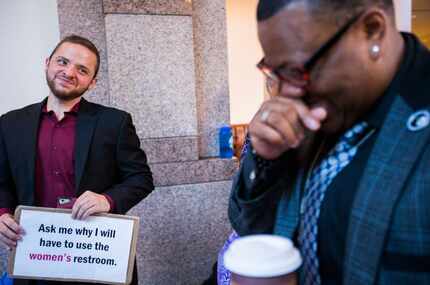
268 8
75 39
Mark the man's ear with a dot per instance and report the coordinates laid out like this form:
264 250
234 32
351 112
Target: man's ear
375 26
375 23
47 60
92 84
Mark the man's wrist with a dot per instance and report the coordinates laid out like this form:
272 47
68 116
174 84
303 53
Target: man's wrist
264 169
261 164
111 203
258 174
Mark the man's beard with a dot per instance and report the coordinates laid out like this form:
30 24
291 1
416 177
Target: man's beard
64 96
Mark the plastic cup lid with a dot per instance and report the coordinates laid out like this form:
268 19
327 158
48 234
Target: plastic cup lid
262 256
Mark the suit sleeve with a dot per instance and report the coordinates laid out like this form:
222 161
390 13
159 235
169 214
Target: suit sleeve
7 188
135 175
256 192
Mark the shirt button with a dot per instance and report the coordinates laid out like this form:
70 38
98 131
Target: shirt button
57 172
54 148
252 175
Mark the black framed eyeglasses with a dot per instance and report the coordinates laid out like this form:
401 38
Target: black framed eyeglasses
300 75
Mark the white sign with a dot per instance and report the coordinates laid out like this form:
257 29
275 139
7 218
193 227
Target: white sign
56 247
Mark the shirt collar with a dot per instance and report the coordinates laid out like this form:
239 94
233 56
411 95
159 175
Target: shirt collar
74 110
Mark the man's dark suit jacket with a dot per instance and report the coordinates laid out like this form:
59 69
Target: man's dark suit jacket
108 158
390 212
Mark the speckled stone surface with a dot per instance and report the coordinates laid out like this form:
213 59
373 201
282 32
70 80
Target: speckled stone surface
3 259
154 7
86 18
151 68
182 229
192 172
210 38
171 149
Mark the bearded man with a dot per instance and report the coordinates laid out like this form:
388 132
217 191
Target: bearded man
66 148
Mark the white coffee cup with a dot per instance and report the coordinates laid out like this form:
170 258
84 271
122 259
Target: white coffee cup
262 259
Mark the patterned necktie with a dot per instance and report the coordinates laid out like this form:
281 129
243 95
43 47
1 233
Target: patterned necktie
316 186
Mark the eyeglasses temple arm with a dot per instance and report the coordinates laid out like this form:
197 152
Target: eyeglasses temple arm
311 62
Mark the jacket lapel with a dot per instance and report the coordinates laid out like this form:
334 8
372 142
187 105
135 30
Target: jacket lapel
391 162
29 141
87 121
393 157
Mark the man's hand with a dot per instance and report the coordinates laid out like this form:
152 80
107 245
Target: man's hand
10 231
283 123
89 203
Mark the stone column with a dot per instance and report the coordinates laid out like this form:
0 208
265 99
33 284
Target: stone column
165 62
210 47
85 18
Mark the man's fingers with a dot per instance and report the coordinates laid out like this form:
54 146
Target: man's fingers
89 203
83 201
292 122
265 149
288 117
295 94
78 213
319 113
292 91
308 120
76 208
9 229
8 236
277 131
80 208
267 133
7 242
86 194
284 122
88 212
12 225
84 210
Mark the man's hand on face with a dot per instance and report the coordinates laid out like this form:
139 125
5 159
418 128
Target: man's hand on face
282 123
89 203
10 231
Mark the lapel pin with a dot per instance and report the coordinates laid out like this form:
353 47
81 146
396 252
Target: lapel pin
418 120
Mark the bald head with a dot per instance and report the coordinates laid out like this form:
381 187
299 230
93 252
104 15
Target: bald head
340 8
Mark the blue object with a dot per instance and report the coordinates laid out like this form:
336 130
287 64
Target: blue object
5 280
225 142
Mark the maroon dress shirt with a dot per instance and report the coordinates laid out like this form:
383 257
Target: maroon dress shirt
54 172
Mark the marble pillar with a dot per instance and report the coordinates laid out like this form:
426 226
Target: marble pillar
86 18
165 62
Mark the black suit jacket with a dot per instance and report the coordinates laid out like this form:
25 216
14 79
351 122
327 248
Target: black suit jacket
388 235
108 158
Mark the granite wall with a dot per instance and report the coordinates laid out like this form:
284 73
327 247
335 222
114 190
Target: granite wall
165 62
